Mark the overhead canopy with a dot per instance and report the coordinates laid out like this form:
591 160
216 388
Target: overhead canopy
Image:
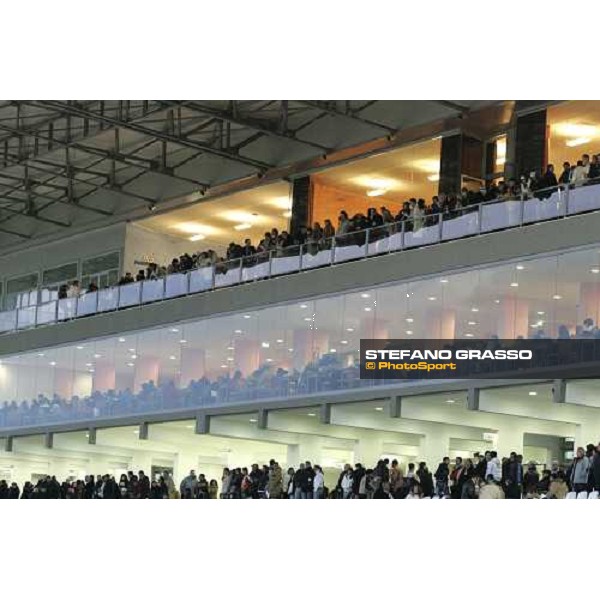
67 164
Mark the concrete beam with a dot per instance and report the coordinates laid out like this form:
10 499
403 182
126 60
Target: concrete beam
202 424
92 436
325 414
559 391
395 407
473 398
8 444
263 419
144 429
49 440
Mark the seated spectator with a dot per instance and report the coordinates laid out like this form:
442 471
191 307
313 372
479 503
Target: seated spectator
127 278
565 176
141 276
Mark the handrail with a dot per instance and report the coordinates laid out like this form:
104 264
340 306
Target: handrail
426 229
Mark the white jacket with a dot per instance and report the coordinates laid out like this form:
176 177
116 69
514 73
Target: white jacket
318 481
494 468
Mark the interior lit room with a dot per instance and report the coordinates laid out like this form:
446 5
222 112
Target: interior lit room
388 179
573 130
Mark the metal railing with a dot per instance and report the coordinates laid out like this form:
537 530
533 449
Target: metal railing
460 222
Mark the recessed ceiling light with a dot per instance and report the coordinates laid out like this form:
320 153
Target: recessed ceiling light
183 341
230 348
230 359
312 415
497 301
409 332
557 297
471 322
174 330
246 316
131 349
474 309
238 331
595 270
91 371
368 309
133 356
41 354
280 341
541 312
197 237
350 329
121 340
79 347
514 284
343 342
409 320
253 421
578 142
130 364
469 335
265 345
269 360
304 306
443 281
308 318
97 355
242 226
533 393
136 432
432 298
189 427
224 367
52 363
88 364
519 267
290 349
172 357
379 408
332 350
450 401
365 295
376 192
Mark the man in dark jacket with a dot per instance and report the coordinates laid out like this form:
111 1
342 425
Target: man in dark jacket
514 477
596 468
144 485
441 477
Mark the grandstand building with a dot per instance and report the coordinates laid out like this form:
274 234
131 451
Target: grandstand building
113 357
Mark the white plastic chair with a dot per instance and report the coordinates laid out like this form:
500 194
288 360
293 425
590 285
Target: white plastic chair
582 496
593 495
571 496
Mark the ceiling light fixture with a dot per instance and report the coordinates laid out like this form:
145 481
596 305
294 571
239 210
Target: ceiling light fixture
379 408
376 192
533 393
595 270
514 284
578 142
409 332
557 297
519 267
197 237
242 226
265 345
365 295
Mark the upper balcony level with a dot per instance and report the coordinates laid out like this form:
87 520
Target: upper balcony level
560 202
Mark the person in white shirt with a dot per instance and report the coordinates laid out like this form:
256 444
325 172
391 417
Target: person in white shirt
580 173
494 468
318 483
347 481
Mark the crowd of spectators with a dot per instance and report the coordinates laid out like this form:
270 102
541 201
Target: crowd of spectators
351 230
328 373
483 477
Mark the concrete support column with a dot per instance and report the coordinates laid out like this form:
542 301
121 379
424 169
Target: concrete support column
310 447
147 369
247 356
308 346
510 439
184 462
368 449
193 365
514 319
104 377
435 444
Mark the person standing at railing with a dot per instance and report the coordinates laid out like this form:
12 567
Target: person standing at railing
594 171
547 180
565 176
